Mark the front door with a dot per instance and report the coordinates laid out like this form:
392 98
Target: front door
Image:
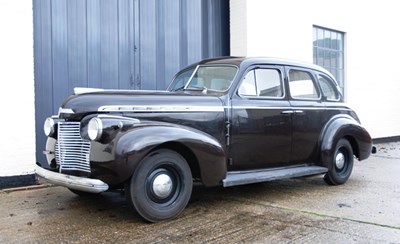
261 120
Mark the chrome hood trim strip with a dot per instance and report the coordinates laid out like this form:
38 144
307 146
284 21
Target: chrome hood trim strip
154 108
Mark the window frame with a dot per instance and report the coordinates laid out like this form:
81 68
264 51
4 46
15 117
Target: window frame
332 83
312 76
281 73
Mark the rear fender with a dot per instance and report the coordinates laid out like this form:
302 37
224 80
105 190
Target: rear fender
344 126
136 143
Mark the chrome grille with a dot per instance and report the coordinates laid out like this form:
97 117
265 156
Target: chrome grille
72 152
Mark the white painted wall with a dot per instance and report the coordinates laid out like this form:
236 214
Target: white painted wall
17 123
372 36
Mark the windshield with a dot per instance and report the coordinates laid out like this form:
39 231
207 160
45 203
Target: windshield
203 78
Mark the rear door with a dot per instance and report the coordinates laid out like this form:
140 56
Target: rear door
308 114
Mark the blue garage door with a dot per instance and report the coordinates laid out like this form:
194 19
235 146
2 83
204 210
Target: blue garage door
119 44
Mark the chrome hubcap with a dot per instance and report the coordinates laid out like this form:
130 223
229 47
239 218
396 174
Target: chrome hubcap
340 160
162 185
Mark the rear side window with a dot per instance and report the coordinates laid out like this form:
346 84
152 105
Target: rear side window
301 85
328 88
262 82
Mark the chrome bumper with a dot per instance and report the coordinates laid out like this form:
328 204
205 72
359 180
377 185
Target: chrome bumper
72 182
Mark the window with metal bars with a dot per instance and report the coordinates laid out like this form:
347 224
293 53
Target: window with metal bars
328 52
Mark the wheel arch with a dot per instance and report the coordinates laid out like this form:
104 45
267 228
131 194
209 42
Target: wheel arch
344 127
354 145
185 152
204 154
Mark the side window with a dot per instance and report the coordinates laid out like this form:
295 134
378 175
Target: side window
262 82
268 83
301 85
248 86
328 88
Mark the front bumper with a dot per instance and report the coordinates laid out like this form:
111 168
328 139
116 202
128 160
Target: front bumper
72 182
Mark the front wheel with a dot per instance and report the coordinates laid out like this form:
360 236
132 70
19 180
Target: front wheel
161 186
342 161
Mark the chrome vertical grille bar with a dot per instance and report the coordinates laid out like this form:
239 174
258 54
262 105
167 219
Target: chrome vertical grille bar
72 152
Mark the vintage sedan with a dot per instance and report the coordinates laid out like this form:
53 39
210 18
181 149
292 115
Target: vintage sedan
222 122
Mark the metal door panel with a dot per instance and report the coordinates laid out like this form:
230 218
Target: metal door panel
119 44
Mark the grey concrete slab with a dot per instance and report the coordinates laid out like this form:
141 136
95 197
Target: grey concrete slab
305 210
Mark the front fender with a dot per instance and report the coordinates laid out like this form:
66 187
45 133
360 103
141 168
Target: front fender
136 143
344 126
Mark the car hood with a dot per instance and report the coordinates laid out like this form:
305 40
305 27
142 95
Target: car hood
131 101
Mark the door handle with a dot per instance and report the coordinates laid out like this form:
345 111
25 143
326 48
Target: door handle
292 112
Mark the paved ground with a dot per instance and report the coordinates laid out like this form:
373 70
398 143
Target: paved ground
365 210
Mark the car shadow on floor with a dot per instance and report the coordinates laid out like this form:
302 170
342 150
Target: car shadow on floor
113 204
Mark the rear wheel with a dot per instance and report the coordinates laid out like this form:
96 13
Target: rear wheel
342 161
161 186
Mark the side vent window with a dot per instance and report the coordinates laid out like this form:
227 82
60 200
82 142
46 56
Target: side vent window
328 89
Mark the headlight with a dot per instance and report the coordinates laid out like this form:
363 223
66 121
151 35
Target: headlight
49 127
95 129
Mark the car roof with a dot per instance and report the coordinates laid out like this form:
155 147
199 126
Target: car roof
247 61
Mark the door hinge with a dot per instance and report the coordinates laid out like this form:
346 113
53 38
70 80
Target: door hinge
230 161
228 132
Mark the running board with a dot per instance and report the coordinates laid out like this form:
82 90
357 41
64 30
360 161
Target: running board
235 178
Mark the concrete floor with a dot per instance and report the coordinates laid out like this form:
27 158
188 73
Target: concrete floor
305 210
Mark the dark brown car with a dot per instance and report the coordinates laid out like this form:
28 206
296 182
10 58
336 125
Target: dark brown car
225 121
